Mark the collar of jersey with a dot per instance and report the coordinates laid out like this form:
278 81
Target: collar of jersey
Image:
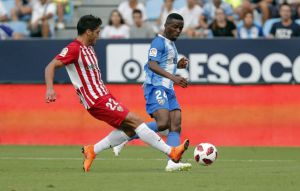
164 38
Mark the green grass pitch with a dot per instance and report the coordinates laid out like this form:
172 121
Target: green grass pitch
58 168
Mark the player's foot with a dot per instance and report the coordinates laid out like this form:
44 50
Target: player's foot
178 151
89 156
117 149
172 166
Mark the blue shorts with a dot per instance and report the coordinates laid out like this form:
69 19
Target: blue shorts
159 97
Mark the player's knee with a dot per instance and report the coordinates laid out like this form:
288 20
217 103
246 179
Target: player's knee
163 125
133 120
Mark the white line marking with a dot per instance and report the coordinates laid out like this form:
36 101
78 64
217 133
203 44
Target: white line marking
137 159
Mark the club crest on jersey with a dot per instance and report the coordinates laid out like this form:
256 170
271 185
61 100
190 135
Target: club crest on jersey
161 101
64 52
153 52
120 108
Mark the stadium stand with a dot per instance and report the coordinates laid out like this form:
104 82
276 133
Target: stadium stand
268 25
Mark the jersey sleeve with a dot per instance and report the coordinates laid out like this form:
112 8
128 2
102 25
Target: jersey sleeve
156 50
68 55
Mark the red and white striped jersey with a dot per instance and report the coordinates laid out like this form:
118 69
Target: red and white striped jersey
82 66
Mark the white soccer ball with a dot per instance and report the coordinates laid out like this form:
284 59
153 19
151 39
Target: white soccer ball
205 154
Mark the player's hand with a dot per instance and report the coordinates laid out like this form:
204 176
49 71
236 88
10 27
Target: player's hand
182 82
182 63
50 96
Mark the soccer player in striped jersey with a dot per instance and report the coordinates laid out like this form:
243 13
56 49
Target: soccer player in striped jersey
81 63
161 101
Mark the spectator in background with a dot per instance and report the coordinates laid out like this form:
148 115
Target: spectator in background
247 6
248 29
286 28
167 9
61 6
140 29
297 16
3 13
191 14
7 33
116 28
209 11
221 26
126 8
42 21
22 10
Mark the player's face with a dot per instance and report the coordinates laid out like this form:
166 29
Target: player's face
94 36
173 29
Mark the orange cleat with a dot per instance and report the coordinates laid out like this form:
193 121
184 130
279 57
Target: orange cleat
89 156
178 151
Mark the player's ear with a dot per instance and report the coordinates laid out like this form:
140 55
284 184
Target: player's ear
89 31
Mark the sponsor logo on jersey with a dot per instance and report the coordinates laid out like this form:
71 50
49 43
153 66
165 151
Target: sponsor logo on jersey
64 52
153 52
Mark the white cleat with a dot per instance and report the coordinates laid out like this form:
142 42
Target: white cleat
117 149
172 166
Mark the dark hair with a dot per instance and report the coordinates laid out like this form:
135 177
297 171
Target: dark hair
88 22
137 11
173 16
246 13
121 18
284 4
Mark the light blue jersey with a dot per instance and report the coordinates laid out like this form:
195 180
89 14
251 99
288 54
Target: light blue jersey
164 52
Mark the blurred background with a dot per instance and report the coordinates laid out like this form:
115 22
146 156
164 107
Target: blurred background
244 68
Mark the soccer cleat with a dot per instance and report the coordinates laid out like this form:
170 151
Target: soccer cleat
89 156
178 151
172 166
117 149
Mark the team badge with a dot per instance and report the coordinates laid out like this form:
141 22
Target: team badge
64 52
161 101
153 52
120 108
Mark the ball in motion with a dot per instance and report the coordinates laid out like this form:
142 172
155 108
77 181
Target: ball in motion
205 154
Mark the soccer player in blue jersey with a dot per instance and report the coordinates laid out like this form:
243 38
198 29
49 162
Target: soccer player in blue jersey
161 101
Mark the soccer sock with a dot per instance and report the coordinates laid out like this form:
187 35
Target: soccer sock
115 138
151 138
151 125
173 139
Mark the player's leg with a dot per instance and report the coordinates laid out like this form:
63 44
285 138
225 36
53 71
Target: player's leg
131 124
173 139
110 111
117 149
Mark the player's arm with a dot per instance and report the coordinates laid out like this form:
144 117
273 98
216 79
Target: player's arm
49 78
153 65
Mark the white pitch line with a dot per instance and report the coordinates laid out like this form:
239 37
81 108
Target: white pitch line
137 159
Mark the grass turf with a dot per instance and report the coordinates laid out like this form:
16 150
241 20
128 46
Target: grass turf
46 168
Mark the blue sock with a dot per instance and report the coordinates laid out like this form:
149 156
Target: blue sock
173 139
151 125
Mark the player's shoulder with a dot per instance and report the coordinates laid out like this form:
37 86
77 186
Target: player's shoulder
158 42
74 44
72 48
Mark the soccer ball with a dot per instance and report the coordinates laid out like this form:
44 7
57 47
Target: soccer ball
205 154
